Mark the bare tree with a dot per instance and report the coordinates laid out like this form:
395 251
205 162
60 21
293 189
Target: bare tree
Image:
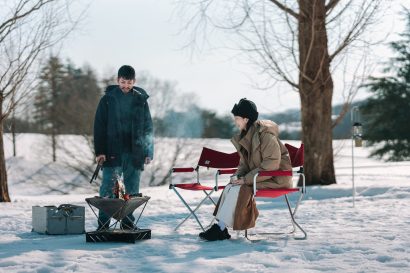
27 29
163 93
165 97
298 43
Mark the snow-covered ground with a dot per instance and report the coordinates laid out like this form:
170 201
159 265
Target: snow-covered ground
373 236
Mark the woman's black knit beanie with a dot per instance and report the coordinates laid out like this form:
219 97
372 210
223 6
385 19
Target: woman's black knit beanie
246 109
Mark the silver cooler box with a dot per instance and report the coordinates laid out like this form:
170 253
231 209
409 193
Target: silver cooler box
65 219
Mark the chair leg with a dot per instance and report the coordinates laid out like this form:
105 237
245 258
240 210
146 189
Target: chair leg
253 240
294 221
209 196
192 212
295 225
298 202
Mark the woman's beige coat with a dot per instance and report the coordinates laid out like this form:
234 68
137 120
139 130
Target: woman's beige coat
260 150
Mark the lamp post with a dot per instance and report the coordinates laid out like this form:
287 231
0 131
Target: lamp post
357 141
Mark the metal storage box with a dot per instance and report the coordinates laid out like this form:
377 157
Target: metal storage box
65 219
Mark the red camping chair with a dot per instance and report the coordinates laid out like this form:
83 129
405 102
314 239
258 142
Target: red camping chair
297 159
225 163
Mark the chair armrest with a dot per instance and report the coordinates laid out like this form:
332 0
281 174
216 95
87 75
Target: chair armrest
269 173
226 171
274 173
182 170
222 171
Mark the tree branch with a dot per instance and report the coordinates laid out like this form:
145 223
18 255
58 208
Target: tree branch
273 64
331 5
362 20
16 16
286 9
340 13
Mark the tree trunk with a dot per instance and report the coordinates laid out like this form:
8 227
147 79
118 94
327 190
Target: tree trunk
54 116
4 191
316 91
13 132
54 145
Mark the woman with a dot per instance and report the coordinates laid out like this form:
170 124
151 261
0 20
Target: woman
260 149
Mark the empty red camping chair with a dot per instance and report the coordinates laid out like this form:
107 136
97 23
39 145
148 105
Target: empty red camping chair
223 163
297 159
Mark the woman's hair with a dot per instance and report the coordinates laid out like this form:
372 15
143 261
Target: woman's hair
248 125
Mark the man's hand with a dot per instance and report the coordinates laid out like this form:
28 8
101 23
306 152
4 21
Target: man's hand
147 160
100 159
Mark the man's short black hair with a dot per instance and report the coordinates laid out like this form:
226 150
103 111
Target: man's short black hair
126 72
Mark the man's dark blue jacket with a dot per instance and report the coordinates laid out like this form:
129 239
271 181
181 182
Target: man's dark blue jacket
108 132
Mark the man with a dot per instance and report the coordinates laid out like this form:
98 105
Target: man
123 138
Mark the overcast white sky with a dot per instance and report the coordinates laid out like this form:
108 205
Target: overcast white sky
144 34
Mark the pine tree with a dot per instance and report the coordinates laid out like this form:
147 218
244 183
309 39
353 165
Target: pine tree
48 99
81 94
66 100
386 112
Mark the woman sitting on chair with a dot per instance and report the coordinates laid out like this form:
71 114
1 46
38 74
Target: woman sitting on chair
260 149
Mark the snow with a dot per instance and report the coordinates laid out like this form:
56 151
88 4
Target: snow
372 236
